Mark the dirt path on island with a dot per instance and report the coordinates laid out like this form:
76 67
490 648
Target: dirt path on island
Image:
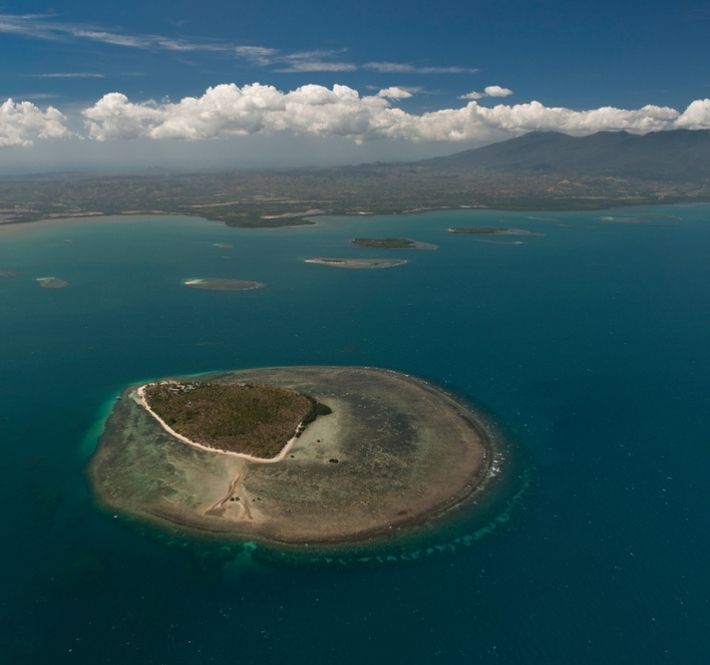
219 507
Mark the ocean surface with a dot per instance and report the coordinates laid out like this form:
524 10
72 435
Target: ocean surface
589 344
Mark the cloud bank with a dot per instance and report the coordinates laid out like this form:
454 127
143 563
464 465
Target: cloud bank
228 109
315 110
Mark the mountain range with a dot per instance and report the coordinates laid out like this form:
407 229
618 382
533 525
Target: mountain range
678 155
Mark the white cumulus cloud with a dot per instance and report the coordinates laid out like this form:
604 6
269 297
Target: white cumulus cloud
476 122
472 95
696 116
488 91
393 92
22 123
497 91
227 110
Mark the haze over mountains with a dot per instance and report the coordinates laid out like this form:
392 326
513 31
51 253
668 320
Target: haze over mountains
537 171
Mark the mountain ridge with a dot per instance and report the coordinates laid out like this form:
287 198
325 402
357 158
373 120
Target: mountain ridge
676 155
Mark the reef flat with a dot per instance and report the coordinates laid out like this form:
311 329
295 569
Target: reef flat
393 453
222 284
51 282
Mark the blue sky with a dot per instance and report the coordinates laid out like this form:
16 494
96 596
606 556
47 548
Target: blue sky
574 55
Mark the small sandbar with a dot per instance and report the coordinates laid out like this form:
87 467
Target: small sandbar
389 452
624 219
311 212
393 243
492 231
222 284
500 242
51 282
358 264
222 245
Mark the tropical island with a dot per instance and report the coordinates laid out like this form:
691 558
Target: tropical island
393 243
293 455
222 284
358 264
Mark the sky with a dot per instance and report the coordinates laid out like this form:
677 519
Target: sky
188 84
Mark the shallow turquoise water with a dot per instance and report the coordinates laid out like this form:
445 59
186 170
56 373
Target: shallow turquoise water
588 343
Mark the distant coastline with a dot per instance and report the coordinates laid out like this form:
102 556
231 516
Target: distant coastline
17 226
537 171
307 222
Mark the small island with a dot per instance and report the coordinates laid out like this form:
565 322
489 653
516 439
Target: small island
358 264
222 284
393 243
293 455
492 231
51 282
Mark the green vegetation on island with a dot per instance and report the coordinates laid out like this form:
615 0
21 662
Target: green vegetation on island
244 418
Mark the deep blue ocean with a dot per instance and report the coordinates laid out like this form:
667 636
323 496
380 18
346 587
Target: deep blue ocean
590 345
